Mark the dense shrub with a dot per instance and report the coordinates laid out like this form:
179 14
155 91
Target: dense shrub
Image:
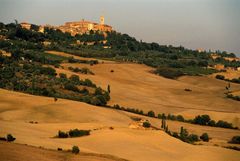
146 124
133 110
187 90
235 80
174 117
180 118
3 139
235 140
221 77
88 82
224 124
171 117
175 134
72 60
75 150
48 71
82 70
212 123
202 120
206 120
74 78
185 136
78 133
204 137
232 147
71 87
10 138
193 138
59 149
62 134
169 72
151 114
73 133
162 116
237 98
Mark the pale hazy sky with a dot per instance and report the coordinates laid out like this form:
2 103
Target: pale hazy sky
208 24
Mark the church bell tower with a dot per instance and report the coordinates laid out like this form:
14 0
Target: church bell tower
102 20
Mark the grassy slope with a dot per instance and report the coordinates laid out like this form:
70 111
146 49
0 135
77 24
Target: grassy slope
17 109
132 85
17 152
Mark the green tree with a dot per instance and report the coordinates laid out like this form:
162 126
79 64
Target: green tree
146 124
183 133
75 150
202 120
62 134
204 137
235 140
193 138
10 138
163 123
108 89
151 114
74 78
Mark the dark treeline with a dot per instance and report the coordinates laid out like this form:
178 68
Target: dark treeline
204 120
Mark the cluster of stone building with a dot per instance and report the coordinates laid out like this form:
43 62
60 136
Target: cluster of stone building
27 25
78 27
81 27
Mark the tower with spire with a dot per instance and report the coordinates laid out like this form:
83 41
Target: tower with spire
102 20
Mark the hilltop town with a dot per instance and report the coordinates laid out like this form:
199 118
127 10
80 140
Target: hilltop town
77 27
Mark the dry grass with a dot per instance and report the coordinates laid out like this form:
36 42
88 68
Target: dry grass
132 86
18 109
18 152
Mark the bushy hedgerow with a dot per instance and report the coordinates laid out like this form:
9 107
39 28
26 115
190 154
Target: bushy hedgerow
234 80
174 117
81 70
73 133
237 98
71 87
132 110
232 147
221 77
78 133
200 119
185 136
206 120
170 73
